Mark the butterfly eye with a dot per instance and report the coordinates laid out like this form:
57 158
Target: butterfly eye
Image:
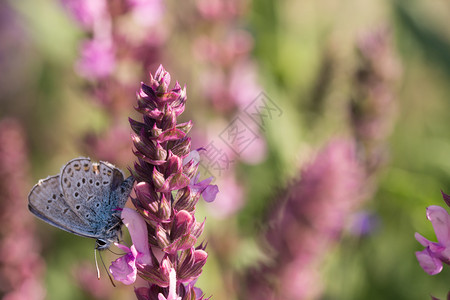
101 244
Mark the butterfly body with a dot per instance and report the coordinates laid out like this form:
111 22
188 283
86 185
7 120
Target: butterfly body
85 199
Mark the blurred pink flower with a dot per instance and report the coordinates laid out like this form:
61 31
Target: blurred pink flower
21 266
97 59
113 145
230 199
432 257
86 277
220 9
373 106
236 88
86 12
235 46
124 268
147 13
312 219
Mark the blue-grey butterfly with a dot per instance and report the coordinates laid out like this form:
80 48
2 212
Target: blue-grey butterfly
86 199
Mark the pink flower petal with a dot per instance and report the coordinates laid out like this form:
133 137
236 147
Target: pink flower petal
210 193
441 222
422 240
138 232
123 269
428 262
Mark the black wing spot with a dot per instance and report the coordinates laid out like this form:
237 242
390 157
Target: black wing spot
76 194
83 180
54 196
97 204
77 207
47 207
67 182
78 184
65 211
50 201
105 182
91 181
97 183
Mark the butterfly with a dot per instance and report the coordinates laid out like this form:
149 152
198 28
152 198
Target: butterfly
85 199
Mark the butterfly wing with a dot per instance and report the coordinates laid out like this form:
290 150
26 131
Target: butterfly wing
87 188
47 202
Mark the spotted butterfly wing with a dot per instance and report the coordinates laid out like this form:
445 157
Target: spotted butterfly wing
47 202
87 187
85 199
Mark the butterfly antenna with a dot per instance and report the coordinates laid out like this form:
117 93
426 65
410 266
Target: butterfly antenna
104 266
96 264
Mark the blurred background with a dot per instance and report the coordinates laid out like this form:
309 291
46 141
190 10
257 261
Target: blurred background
325 125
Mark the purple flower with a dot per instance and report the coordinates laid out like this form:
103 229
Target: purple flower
435 253
208 191
204 188
167 192
124 268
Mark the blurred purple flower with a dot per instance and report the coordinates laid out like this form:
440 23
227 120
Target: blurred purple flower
435 253
113 145
86 12
311 220
230 199
147 13
220 9
373 106
97 59
86 277
21 266
363 223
